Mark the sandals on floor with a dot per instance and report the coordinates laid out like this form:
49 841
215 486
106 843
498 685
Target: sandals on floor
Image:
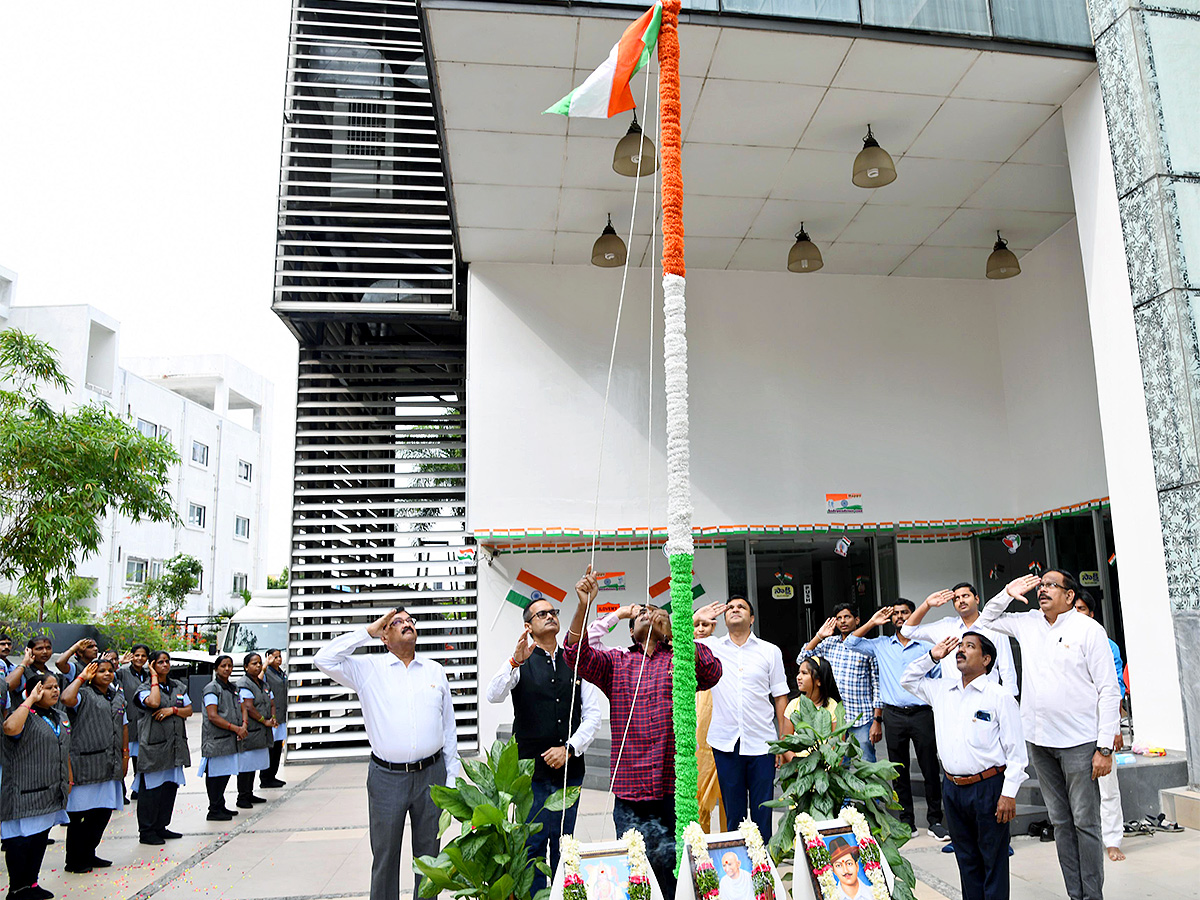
1160 823
1135 826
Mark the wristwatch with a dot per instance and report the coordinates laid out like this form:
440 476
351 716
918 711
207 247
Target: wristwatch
1104 751
570 752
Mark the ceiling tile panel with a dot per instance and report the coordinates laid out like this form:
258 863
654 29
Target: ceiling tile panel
944 262
978 227
821 176
710 252
1036 188
1030 79
500 245
846 258
589 165
894 224
933 182
777 56
1047 147
718 216
824 221
752 113
841 121
588 210
909 68
575 249
762 255
493 157
719 169
482 37
979 129
501 206
502 98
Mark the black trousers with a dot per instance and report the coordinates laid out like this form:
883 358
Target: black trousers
23 856
83 835
980 842
655 819
903 725
155 807
267 775
245 785
215 785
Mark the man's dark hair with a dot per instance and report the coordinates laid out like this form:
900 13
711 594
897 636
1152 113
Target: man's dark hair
5 636
986 647
846 605
1088 600
744 600
965 584
37 639
527 612
908 604
1069 581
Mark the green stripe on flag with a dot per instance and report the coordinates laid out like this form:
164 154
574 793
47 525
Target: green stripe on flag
518 599
563 106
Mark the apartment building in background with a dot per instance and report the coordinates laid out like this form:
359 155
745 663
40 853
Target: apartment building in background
213 410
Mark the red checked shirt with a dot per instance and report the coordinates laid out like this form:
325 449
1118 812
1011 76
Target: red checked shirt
647 769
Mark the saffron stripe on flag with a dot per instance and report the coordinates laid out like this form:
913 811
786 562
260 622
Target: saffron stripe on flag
554 593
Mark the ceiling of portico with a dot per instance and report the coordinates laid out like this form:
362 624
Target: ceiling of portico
772 122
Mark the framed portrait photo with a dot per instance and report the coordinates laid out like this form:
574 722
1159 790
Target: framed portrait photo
842 865
604 869
731 869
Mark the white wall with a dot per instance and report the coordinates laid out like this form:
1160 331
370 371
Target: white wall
1137 528
500 622
925 568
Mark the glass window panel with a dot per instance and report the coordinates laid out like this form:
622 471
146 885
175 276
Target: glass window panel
826 10
955 16
1062 22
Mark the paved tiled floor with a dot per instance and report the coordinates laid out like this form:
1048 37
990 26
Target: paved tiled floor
310 842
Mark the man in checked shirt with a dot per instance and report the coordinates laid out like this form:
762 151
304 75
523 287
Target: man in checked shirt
856 674
643 739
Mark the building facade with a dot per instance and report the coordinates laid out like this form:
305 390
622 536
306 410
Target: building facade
948 426
212 409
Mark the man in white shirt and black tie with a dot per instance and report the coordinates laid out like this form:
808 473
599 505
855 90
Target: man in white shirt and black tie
409 718
1069 709
982 751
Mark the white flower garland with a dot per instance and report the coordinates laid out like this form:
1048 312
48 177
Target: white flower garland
639 865
573 886
818 853
708 886
761 874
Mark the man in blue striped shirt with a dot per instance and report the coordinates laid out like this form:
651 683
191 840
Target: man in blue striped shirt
856 674
905 718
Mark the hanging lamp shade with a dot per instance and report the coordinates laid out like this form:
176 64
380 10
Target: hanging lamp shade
804 255
1002 263
873 167
635 154
609 249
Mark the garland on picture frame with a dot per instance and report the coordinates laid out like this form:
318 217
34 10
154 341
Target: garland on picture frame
708 886
761 876
639 865
573 886
868 851
818 853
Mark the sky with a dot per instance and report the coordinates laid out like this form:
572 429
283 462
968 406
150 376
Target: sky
139 167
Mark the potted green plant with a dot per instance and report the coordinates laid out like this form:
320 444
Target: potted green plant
488 860
827 773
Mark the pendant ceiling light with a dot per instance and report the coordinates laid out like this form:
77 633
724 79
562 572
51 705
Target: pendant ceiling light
1002 263
609 249
804 255
635 154
873 167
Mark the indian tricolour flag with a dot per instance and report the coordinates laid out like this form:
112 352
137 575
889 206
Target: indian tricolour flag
606 91
660 591
528 588
611 581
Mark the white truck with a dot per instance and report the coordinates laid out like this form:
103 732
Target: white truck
260 625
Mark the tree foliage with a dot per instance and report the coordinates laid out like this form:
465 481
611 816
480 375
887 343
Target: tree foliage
280 583
167 594
62 472
828 773
132 621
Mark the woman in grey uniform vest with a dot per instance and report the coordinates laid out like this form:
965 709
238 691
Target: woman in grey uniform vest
221 734
99 760
277 680
33 797
131 678
162 749
258 708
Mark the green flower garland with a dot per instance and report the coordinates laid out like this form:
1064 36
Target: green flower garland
687 807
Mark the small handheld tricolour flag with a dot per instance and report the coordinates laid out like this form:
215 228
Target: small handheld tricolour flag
611 581
466 554
606 92
528 588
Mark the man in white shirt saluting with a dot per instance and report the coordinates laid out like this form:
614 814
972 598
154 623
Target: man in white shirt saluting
982 751
966 603
1069 703
409 718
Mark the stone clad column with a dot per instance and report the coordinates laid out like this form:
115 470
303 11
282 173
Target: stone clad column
1149 67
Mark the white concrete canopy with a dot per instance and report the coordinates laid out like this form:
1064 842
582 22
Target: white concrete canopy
772 122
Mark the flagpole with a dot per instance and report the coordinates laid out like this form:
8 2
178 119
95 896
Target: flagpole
680 547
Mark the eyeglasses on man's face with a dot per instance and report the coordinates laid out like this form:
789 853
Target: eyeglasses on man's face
1053 584
544 614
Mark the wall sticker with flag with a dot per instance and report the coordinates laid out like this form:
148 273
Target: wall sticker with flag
843 546
528 588
467 554
606 92
611 581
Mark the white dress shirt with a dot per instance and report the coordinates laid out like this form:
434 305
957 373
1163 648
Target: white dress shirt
977 726
406 708
932 632
743 708
507 678
1069 690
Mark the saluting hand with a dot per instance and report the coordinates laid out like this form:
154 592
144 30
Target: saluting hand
943 648
524 647
710 612
882 615
126 657
89 672
36 694
587 588
827 630
939 598
377 628
27 659
1019 587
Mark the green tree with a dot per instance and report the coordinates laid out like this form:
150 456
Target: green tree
276 584
62 472
166 594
